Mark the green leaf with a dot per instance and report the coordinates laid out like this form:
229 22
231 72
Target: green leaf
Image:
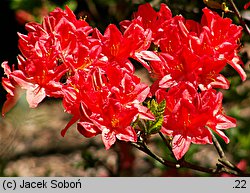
161 107
156 125
158 110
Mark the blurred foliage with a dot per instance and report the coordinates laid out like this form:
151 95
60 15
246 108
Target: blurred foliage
40 8
100 13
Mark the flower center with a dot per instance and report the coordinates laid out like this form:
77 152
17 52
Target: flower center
115 122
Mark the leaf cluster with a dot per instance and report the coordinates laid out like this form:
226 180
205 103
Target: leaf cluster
158 110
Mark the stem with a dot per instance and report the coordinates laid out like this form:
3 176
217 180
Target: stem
186 164
181 163
236 11
143 147
222 155
225 166
166 141
217 146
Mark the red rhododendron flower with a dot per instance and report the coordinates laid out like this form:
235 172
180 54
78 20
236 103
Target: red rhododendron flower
218 38
12 88
148 18
189 114
171 70
118 47
113 122
106 100
188 50
48 55
93 73
23 17
246 5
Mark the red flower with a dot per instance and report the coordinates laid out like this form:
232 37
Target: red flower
209 74
61 39
93 73
217 38
23 17
37 86
189 114
106 100
148 18
13 91
48 55
246 5
170 70
189 51
113 122
118 47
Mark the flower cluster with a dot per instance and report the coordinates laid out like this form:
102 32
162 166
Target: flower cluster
192 55
93 73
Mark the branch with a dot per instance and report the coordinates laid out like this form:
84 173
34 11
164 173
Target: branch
223 159
143 147
179 164
224 166
217 145
167 142
236 11
213 171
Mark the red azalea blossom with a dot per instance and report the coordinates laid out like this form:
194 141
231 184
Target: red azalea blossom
189 114
148 18
118 47
113 122
106 101
48 55
93 73
179 41
12 88
219 39
246 5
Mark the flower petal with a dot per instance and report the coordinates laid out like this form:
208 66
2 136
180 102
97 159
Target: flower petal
180 146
